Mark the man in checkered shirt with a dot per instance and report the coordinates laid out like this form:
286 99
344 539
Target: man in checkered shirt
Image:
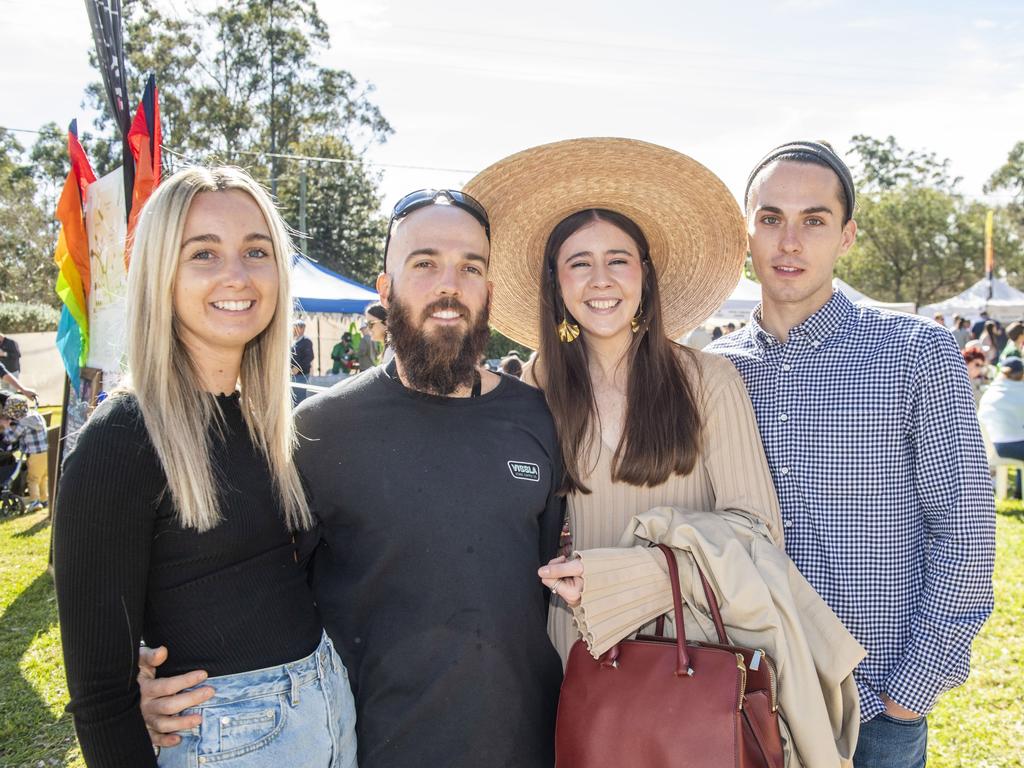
868 423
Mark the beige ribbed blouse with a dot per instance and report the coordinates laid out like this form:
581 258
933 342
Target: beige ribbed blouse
731 473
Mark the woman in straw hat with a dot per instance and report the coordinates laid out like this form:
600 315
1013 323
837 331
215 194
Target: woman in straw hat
179 504
602 252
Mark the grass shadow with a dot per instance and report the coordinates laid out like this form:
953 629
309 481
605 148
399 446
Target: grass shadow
28 729
36 528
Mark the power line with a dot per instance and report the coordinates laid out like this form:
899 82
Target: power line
1001 195
336 160
283 156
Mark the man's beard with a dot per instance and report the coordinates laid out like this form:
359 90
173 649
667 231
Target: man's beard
443 360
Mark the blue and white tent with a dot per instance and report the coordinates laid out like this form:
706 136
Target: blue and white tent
318 289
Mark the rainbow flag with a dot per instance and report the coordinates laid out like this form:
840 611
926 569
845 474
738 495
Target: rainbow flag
72 257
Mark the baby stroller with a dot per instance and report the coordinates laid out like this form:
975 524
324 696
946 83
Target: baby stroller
13 481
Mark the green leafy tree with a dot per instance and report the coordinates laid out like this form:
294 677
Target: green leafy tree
242 84
910 247
499 345
343 230
1010 175
27 270
918 239
883 164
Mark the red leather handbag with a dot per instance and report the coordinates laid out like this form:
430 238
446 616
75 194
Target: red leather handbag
655 702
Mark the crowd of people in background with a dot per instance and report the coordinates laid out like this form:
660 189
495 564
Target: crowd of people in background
992 354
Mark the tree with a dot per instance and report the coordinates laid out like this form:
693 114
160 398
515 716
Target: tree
27 270
241 84
883 164
343 230
918 239
910 247
1010 176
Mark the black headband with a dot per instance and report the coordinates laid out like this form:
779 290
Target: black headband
813 149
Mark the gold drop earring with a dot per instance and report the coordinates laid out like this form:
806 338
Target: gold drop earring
568 332
635 321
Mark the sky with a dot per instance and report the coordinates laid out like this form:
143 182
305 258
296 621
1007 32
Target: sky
466 83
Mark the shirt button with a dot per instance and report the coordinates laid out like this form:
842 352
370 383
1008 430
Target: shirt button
783 417
784 471
787 367
815 343
787 523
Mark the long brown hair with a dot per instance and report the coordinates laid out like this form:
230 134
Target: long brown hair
662 434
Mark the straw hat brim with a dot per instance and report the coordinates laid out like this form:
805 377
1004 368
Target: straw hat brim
692 222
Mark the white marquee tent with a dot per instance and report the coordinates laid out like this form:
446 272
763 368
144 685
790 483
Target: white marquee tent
1006 304
866 301
741 302
747 295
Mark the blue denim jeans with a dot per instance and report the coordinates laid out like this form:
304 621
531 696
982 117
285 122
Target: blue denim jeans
886 742
300 714
299 393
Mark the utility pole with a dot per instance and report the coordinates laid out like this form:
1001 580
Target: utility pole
302 198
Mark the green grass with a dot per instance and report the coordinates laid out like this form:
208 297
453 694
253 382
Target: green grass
33 726
980 725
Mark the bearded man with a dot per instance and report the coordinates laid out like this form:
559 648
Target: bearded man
435 486
435 483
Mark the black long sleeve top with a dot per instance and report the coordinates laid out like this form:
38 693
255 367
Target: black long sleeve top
229 600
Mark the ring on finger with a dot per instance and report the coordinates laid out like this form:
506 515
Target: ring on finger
554 587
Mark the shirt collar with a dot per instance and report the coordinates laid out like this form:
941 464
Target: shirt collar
815 328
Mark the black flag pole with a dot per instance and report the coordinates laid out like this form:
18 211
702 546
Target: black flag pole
107 32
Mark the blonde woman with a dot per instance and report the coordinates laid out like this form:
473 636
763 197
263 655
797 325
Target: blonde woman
178 505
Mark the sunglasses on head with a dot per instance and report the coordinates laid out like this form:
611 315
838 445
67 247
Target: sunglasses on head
421 198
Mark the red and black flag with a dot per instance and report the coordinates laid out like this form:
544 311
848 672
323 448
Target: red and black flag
144 142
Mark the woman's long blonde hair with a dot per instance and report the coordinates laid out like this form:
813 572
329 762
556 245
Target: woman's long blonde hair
180 416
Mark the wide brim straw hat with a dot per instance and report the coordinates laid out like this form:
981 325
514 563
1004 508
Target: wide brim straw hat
693 224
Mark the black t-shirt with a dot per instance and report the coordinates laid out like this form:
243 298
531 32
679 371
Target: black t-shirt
435 514
11 358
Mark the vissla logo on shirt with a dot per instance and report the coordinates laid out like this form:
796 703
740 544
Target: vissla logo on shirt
524 470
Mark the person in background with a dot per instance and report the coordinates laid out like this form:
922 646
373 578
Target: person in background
373 337
302 361
961 330
1001 412
939 318
512 365
23 424
342 354
979 325
698 338
989 342
716 333
10 355
977 368
1014 331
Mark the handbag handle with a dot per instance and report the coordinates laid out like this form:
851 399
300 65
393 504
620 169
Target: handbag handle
682 657
709 595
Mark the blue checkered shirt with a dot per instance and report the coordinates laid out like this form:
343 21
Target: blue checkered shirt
869 427
29 434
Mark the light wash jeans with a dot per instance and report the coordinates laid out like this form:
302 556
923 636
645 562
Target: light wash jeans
300 715
886 742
